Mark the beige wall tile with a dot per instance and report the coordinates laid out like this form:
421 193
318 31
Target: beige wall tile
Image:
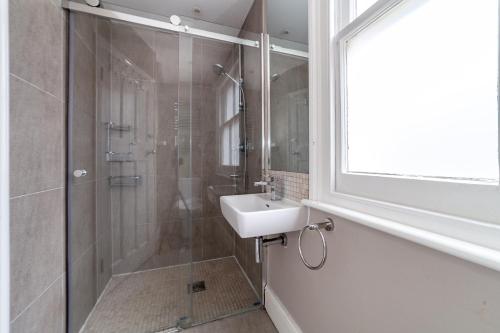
36 139
47 313
37 247
37 45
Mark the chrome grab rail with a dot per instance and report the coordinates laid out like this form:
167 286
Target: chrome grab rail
328 226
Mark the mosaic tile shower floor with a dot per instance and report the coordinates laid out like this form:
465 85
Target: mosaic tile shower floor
154 300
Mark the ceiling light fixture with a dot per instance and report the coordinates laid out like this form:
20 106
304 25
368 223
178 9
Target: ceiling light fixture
175 20
93 3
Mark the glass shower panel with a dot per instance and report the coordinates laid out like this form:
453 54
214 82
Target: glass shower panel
188 189
151 114
217 131
103 168
122 242
151 230
82 176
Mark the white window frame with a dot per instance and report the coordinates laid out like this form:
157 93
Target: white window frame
471 234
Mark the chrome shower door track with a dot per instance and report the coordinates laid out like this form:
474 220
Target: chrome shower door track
287 51
120 16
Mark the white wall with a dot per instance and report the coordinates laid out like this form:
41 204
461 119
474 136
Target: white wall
4 166
374 282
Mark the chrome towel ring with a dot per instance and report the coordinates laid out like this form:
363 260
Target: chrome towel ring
328 226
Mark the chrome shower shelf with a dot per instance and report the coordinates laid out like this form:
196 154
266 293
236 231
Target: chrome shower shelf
112 156
125 181
120 128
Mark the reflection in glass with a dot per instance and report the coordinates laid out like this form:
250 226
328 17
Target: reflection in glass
287 25
289 96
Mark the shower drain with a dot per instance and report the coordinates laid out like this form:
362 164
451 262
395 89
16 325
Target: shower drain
196 287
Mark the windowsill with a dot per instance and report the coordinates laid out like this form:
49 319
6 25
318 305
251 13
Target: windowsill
457 245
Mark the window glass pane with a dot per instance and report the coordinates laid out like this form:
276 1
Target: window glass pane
421 88
362 5
226 145
235 141
229 103
236 100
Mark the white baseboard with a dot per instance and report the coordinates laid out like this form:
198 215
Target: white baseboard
279 314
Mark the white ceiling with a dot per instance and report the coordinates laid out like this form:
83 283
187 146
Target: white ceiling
230 13
288 15
282 15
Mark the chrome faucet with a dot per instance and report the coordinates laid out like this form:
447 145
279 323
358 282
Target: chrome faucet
272 184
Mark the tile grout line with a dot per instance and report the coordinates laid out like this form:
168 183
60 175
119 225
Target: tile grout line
76 261
37 192
37 297
247 278
171 266
84 42
59 99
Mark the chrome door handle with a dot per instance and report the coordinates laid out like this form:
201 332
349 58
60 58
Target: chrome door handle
79 173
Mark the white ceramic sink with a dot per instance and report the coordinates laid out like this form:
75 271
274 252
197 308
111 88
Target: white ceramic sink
254 215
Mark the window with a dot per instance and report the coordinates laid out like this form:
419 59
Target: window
416 106
229 124
420 101
358 7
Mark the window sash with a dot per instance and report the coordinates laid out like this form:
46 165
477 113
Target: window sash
448 196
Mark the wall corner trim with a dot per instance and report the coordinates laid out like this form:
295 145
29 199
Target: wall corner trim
4 169
278 313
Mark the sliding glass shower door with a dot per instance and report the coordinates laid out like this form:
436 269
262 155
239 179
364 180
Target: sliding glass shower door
128 189
156 128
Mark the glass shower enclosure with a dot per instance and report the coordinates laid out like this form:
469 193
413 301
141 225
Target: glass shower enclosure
156 132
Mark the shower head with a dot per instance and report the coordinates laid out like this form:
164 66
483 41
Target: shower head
219 70
275 77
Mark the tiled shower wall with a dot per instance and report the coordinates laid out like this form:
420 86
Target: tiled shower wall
37 159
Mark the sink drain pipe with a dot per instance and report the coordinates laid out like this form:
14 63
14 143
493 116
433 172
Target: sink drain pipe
261 242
